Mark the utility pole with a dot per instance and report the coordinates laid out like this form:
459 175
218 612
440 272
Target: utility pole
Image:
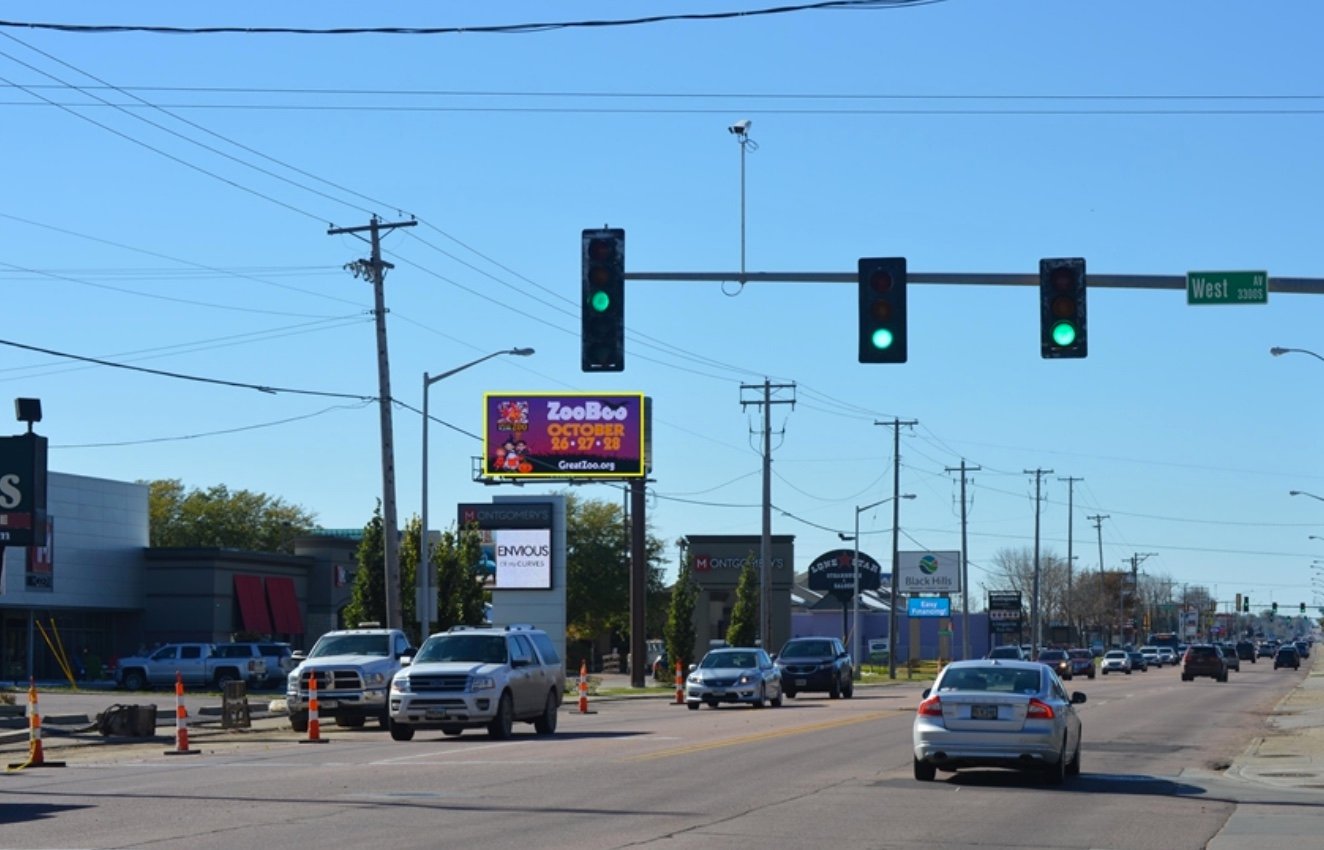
965 563
1071 520
374 269
765 544
1098 519
1034 600
1137 559
896 526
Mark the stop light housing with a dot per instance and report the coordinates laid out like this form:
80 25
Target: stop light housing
1062 331
1275 609
602 329
882 296
1245 605
1303 607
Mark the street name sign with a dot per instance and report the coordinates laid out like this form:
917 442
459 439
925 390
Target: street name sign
1227 287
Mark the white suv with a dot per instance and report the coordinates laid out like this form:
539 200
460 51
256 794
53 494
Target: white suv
470 678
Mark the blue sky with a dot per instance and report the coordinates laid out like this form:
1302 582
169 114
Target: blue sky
966 136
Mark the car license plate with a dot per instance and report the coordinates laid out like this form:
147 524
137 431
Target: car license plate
984 712
436 714
325 703
800 683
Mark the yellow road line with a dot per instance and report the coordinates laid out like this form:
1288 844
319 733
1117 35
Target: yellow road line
764 736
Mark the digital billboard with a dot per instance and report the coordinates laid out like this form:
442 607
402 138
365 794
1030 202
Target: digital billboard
563 435
515 543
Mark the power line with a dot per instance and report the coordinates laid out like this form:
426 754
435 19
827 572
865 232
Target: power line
213 433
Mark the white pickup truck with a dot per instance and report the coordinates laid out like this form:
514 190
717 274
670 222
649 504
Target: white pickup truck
195 663
353 669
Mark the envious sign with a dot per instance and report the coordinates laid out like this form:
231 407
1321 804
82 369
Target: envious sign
515 543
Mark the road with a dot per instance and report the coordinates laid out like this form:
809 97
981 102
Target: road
644 773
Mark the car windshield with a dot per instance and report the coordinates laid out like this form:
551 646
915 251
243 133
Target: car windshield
1117 653
807 649
743 660
352 645
1080 653
1005 652
1052 655
482 649
993 679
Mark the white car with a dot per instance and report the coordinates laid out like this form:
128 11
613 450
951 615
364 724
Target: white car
1152 656
1115 661
993 713
1168 655
734 674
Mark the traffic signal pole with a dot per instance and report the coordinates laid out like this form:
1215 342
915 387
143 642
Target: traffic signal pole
1293 285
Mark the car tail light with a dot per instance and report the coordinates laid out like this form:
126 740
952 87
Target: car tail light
1039 710
931 707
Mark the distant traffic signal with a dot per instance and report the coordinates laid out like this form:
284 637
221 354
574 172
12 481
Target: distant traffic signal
1275 609
1062 330
1303 607
883 310
602 329
1245 605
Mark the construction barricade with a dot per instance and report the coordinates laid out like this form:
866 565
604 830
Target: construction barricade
36 756
314 723
181 722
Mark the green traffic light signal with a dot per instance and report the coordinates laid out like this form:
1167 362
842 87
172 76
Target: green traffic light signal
1062 289
1064 333
882 309
882 339
600 301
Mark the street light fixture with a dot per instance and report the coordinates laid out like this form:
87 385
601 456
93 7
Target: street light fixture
1278 351
855 571
427 607
1304 493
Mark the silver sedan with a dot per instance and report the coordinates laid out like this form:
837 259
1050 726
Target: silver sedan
991 713
734 674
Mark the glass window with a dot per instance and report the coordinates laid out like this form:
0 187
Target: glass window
188 652
547 650
165 653
521 649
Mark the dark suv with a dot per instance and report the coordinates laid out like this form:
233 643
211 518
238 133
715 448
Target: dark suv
816 664
1246 651
1203 659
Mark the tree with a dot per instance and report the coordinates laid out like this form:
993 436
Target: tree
744 626
219 518
367 602
598 569
460 594
679 631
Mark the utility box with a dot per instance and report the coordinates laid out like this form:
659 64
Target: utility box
234 706
132 721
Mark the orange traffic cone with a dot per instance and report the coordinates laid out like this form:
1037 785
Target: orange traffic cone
583 687
181 722
36 757
680 686
314 724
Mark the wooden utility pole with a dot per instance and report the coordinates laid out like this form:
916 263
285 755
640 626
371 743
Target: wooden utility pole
374 270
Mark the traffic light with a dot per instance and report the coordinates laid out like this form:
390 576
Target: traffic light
1275 609
1245 604
883 310
602 330
1236 606
1062 308
1303 607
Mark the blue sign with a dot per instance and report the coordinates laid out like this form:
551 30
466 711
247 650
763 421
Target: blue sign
928 606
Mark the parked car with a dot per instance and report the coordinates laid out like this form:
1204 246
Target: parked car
1082 662
1287 656
816 664
1058 660
1010 652
995 713
1138 660
734 674
1246 651
1152 657
1115 661
193 664
1203 659
1230 656
278 657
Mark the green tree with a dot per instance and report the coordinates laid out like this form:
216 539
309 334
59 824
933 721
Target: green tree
744 626
679 631
409 560
219 518
367 602
598 569
460 594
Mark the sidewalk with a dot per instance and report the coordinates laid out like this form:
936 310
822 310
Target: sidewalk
1291 752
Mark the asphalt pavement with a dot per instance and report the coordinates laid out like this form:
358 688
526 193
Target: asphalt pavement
1287 756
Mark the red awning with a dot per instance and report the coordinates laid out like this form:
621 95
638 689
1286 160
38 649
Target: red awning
284 605
252 604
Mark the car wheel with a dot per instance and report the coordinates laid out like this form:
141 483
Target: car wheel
546 722
1057 774
401 732
1105 672
1091 673
299 721
693 706
1186 678
1066 678
504 720
790 694
924 771
777 703
834 692
1073 769
762 697
849 690
1128 672
225 677
453 731
134 681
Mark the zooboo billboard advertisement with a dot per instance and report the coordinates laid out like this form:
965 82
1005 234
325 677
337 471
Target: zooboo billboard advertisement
563 435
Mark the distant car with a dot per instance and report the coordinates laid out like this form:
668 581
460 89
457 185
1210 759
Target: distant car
1115 661
1303 648
1169 655
279 658
1009 652
816 664
1082 662
1152 657
1138 661
995 713
734 674
1230 656
1246 651
1287 656
1059 660
1203 659
1266 650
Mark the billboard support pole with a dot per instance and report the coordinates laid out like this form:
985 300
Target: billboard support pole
638 582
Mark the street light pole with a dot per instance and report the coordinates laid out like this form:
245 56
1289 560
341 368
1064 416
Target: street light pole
855 570
1304 493
428 603
1278 351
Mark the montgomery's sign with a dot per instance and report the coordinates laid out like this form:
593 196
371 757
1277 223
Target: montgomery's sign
23 490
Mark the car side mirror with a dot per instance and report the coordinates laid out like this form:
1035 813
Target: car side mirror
694 667
298 655
406 660
516 663
1077 697
924 694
